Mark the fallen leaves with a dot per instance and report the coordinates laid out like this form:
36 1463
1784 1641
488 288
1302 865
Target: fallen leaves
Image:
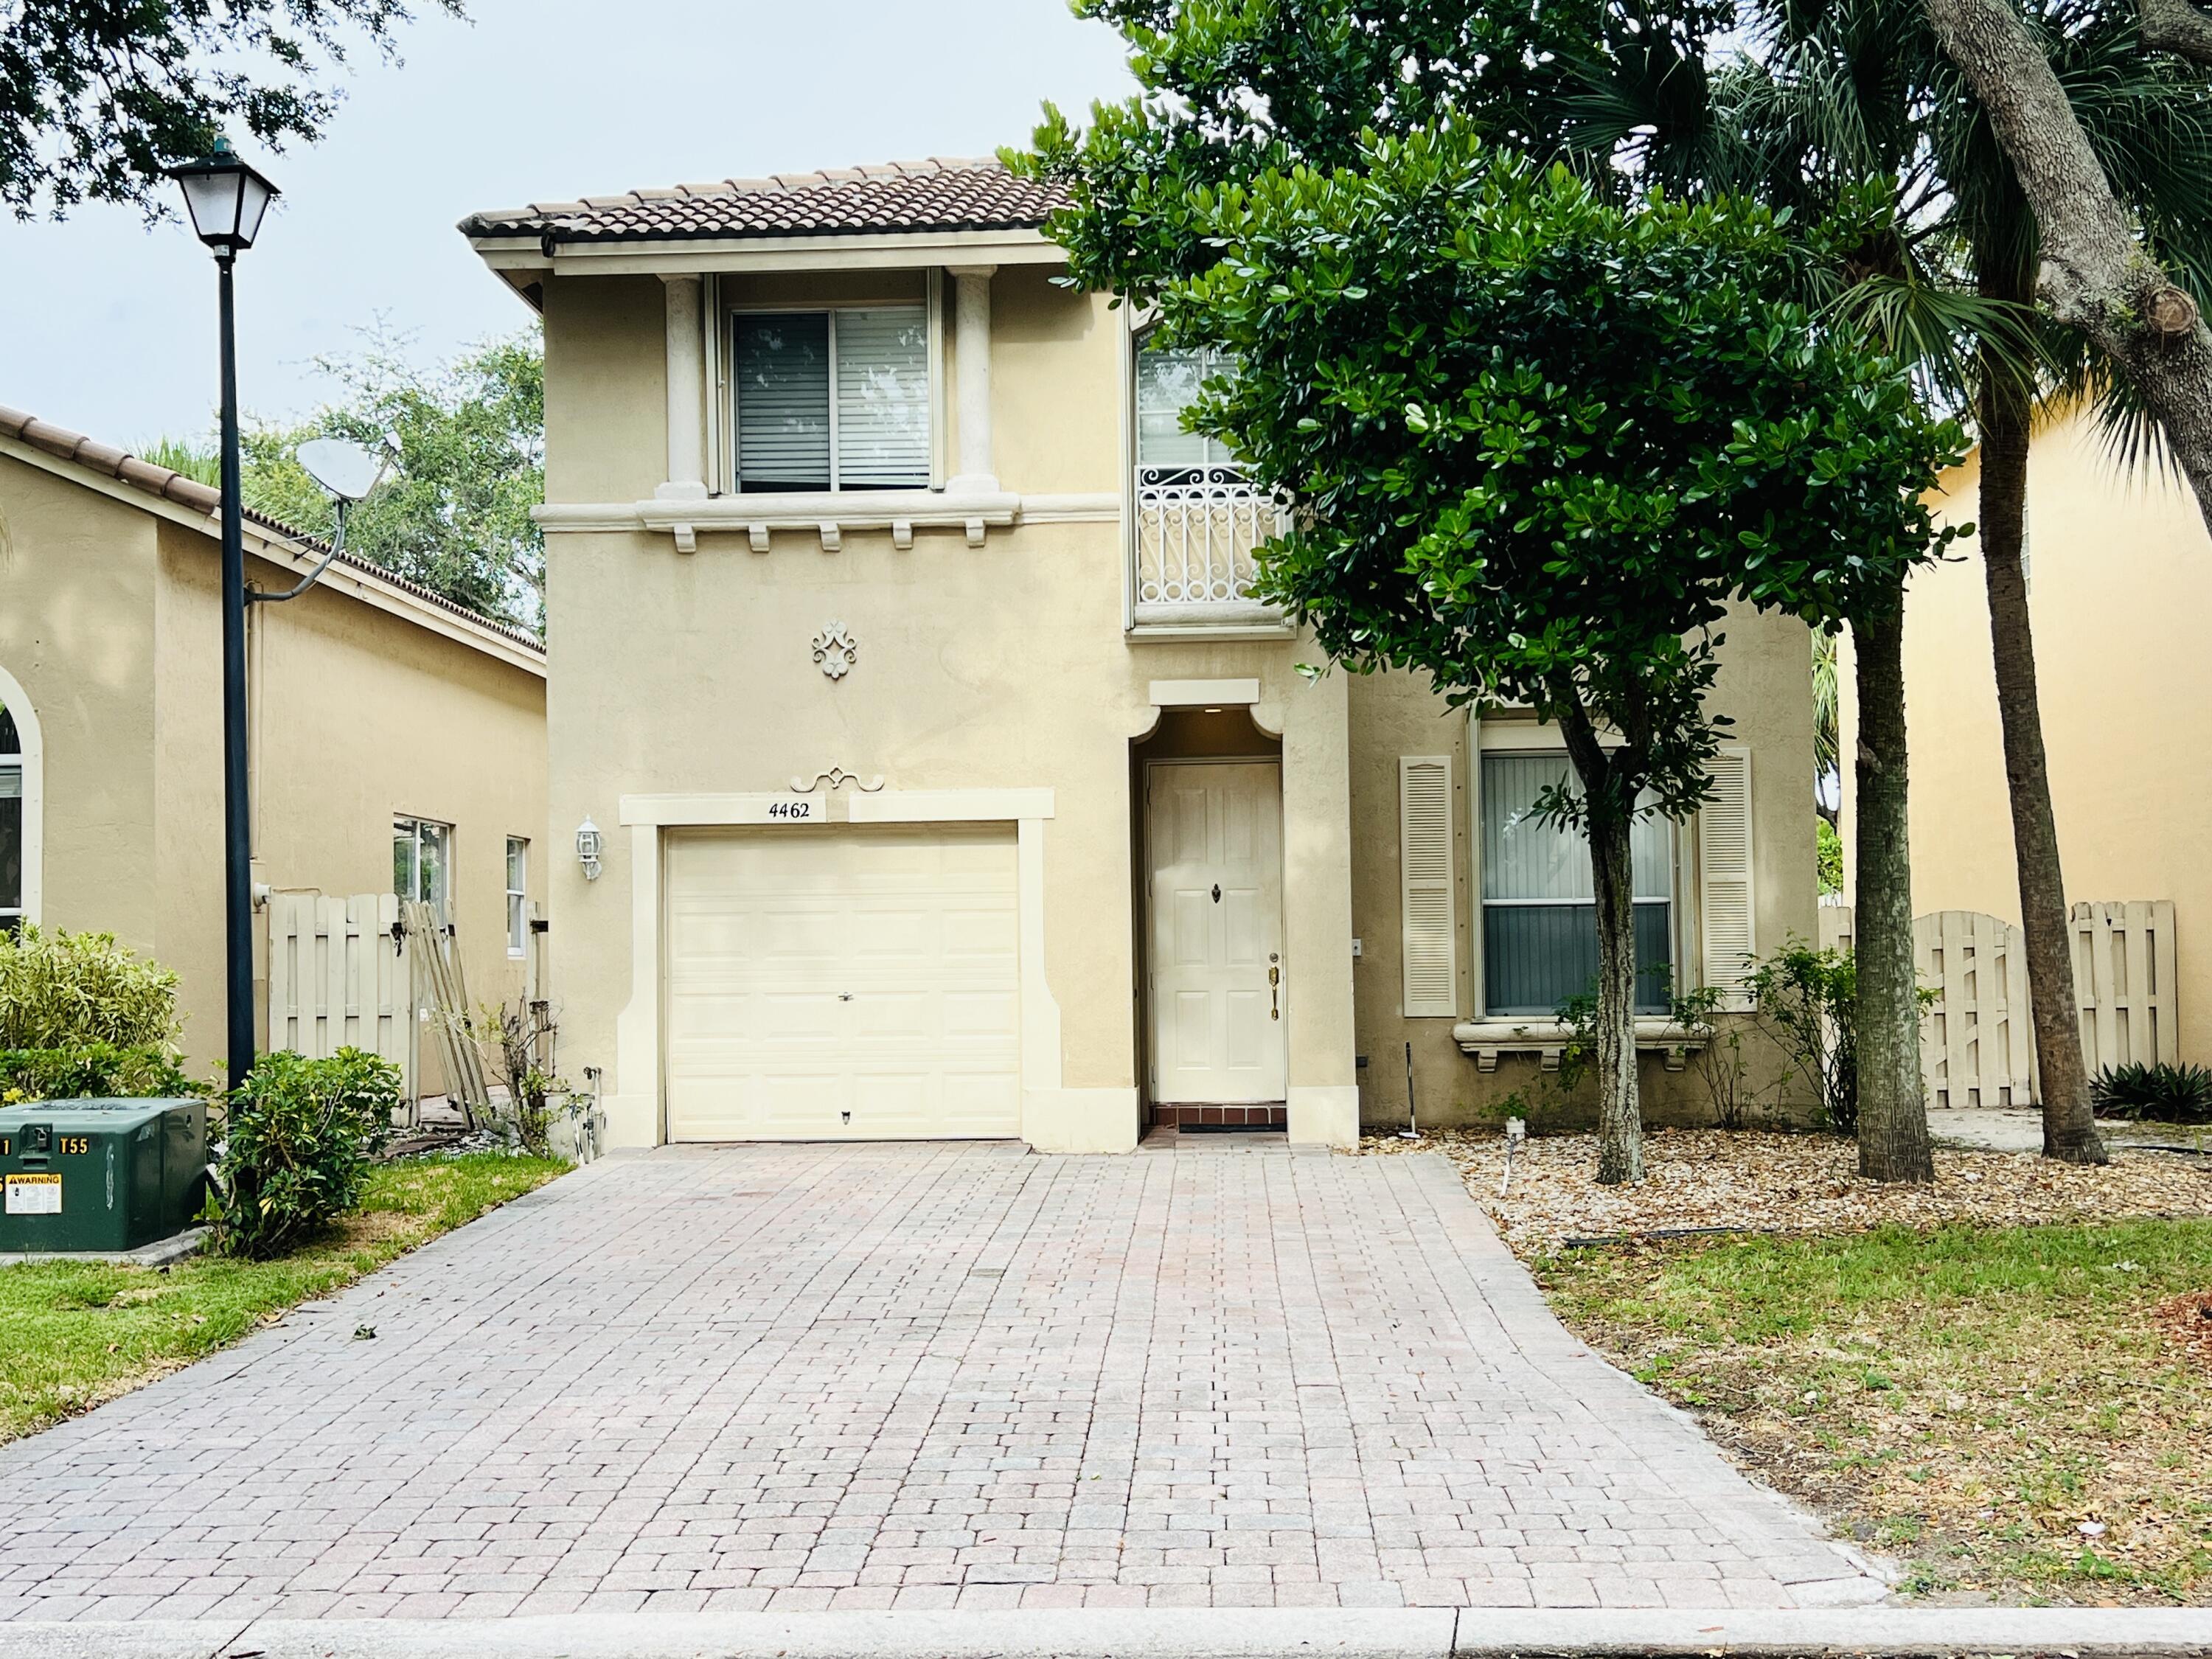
2187 1322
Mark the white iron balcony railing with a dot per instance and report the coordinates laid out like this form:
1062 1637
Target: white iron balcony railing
1196 527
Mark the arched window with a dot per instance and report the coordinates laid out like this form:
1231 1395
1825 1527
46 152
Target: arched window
20 804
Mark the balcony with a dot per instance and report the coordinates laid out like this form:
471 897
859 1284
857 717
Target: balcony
1196 528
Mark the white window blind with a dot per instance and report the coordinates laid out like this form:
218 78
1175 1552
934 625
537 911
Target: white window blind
839 396
1167 384
1431 942
781 368
1726 902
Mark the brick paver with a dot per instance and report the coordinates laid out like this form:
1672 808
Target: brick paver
929 1377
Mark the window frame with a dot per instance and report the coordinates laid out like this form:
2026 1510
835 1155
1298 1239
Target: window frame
518 898
1140 344
723 406
26 759
1530 739
444 904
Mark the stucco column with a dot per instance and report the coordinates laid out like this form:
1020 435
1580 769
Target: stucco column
972 322
687 392
1323 1084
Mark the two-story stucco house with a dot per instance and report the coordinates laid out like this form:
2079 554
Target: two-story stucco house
950 782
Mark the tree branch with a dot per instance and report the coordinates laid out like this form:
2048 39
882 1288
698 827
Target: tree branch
2096 274
2176 27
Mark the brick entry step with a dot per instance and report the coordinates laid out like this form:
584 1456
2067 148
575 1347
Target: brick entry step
1276 1117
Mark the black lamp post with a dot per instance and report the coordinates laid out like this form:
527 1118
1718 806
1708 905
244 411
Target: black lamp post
226 200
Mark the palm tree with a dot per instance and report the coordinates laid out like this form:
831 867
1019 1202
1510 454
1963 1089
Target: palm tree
1826 96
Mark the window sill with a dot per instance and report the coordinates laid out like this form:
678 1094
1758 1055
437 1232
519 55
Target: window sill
1488 1037
1230 619
827 513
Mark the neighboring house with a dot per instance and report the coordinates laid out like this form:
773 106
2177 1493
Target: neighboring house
2119 589
951 783
394 736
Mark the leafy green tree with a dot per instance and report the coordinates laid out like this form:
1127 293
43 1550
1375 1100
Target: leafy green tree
1861 89
467 447
98 97
1536 444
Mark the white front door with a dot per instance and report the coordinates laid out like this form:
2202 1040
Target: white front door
842 983
1215 840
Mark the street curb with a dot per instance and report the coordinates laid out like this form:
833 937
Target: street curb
1159 1633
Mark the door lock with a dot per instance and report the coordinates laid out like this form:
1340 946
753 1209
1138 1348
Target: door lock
1216 892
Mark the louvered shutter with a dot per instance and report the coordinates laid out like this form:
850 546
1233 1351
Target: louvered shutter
883 398
1431 944
780 366
1726 902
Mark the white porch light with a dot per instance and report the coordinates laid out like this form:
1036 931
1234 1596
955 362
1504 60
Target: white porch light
589 845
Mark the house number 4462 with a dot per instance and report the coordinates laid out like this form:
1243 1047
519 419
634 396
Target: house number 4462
791 809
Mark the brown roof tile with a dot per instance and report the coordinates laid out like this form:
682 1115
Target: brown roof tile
892 198
172 486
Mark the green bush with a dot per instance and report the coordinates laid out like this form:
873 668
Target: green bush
97 1070
300 1137
70 990
2167 1094
1809 998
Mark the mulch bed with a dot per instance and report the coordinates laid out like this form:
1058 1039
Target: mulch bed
2187 1322
1761 1181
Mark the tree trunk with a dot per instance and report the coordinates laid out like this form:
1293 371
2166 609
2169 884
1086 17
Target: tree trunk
1619 1109
2095 274
2069 1128
1892 1110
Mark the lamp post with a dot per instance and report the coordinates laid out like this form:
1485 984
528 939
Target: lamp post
226 200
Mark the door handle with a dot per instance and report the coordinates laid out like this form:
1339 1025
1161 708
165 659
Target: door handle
1274 993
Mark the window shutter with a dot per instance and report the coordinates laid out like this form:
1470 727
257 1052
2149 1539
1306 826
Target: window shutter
883 398
780 366
1725 901
1431 944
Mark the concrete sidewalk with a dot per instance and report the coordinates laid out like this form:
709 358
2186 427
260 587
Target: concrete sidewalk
1197 1633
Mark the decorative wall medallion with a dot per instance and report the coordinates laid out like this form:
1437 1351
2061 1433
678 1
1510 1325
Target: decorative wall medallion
834 649
835 777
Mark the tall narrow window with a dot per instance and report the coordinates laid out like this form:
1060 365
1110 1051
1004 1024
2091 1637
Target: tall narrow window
1539 907
518 895
1168 379
11 823
832 400
422 864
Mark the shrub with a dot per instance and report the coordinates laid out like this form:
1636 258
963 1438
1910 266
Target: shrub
2167 1094
91 1070
1715 1052
68 990
1809 998
515 1038
300 1137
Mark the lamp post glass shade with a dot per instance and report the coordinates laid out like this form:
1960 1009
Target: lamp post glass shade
226 198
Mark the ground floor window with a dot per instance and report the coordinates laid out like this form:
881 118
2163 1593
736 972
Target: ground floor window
12 827
518 895
1539 907
422 864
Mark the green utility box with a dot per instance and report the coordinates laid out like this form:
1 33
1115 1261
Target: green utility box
101 1175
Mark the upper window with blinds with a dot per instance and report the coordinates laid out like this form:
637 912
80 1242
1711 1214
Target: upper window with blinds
831 399
1167 382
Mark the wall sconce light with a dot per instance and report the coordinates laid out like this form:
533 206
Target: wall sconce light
589 843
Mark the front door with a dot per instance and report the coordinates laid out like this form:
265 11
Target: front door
1214 837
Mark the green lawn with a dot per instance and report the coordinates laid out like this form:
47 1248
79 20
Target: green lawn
74 1333
1966 1400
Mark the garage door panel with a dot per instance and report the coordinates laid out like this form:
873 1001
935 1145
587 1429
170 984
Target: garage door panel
855 983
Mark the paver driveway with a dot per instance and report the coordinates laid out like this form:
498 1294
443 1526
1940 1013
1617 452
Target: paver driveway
811 1377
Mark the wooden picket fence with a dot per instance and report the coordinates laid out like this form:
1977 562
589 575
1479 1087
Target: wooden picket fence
1977 1039
339 977
443 994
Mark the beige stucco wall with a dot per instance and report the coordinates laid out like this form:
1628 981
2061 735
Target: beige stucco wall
359 714
2120 582
77 579
1764 690
110 616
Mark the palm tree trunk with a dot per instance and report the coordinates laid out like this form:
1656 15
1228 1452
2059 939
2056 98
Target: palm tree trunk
2069 1126
1893 1109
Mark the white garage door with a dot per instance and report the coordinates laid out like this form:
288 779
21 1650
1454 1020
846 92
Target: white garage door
854 983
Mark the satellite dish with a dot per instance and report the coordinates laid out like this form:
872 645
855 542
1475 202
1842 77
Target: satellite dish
344 470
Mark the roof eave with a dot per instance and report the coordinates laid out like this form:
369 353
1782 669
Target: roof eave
515 254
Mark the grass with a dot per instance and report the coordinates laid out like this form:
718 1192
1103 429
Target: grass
75 1334
1967 1399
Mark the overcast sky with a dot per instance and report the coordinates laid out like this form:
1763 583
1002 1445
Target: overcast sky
108 326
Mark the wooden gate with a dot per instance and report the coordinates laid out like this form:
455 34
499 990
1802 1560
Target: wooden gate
2124 984
339 977
1976 1042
